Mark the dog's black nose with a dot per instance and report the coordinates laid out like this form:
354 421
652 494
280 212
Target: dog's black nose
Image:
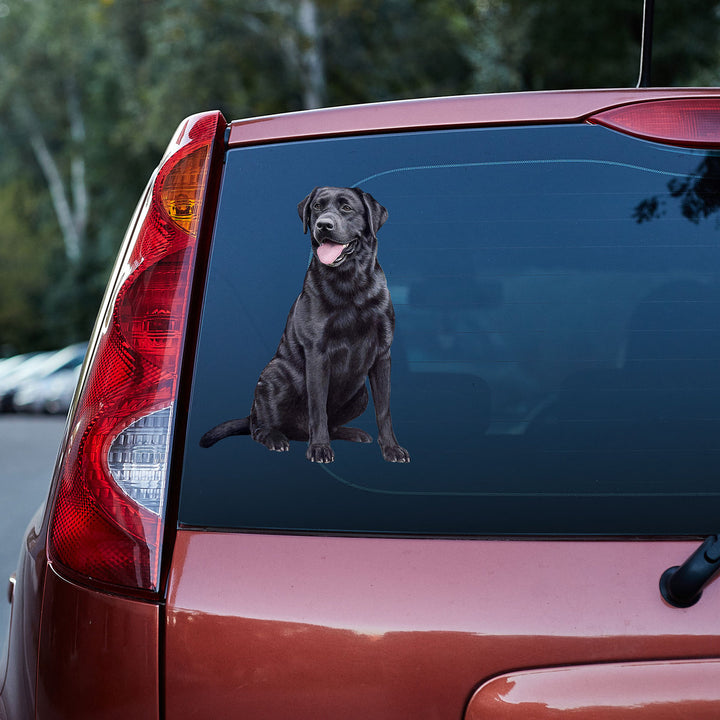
324 224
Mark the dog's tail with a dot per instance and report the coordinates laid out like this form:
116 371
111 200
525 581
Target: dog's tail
241 426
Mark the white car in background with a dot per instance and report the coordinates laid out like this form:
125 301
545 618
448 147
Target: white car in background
42 376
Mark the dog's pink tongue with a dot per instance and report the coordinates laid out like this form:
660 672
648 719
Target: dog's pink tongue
329 252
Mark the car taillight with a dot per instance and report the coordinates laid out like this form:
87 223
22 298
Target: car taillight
107 519
688 122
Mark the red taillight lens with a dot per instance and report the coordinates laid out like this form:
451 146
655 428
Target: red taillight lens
688 122
108 515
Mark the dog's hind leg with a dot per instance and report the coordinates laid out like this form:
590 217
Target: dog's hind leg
271 438
350 434
271 419
345 413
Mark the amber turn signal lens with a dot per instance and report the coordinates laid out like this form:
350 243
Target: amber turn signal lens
182 191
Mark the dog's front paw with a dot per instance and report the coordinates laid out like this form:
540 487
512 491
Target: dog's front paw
395 453
320 453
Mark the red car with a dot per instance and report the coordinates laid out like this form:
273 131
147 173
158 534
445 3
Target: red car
534 534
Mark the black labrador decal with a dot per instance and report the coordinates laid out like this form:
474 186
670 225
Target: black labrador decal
338 333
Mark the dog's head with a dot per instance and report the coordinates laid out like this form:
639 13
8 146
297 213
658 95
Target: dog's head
343 222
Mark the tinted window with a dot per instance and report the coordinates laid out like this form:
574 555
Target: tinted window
557 341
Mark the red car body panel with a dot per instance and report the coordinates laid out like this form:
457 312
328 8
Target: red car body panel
19 680
650 691
76 652
88 638
450 112
308 627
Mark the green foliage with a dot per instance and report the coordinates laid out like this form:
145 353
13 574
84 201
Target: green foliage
555 44
25 258
384 49
91 91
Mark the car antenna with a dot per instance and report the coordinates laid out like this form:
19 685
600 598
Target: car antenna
646 45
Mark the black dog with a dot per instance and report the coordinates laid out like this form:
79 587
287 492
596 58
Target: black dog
338 333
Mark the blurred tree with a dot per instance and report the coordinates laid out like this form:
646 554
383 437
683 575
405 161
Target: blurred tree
550 44
48 53
390 49
25 258
48 111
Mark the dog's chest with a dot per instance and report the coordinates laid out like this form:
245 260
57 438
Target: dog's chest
350 325
357 333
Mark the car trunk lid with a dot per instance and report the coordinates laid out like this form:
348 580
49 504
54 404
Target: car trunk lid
304 627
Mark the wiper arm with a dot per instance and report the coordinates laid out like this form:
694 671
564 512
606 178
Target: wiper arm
682 585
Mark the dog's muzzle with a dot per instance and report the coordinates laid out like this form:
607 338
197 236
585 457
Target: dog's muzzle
332 253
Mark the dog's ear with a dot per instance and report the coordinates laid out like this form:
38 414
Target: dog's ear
375 213
305 208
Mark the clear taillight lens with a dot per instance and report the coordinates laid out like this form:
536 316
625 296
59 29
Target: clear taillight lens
138 459
107 519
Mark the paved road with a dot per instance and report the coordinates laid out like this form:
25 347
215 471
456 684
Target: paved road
28 447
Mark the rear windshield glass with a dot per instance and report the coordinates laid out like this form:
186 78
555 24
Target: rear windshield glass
556 345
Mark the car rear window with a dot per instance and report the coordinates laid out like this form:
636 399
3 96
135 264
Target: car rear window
555 363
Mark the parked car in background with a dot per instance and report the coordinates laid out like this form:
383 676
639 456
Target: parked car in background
50 388
10 364
523 539
51 394
24 367
37 382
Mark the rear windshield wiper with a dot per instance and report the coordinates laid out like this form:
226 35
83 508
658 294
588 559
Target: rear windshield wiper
682 585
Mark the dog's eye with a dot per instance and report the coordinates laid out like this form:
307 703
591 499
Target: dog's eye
316 206
346 208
